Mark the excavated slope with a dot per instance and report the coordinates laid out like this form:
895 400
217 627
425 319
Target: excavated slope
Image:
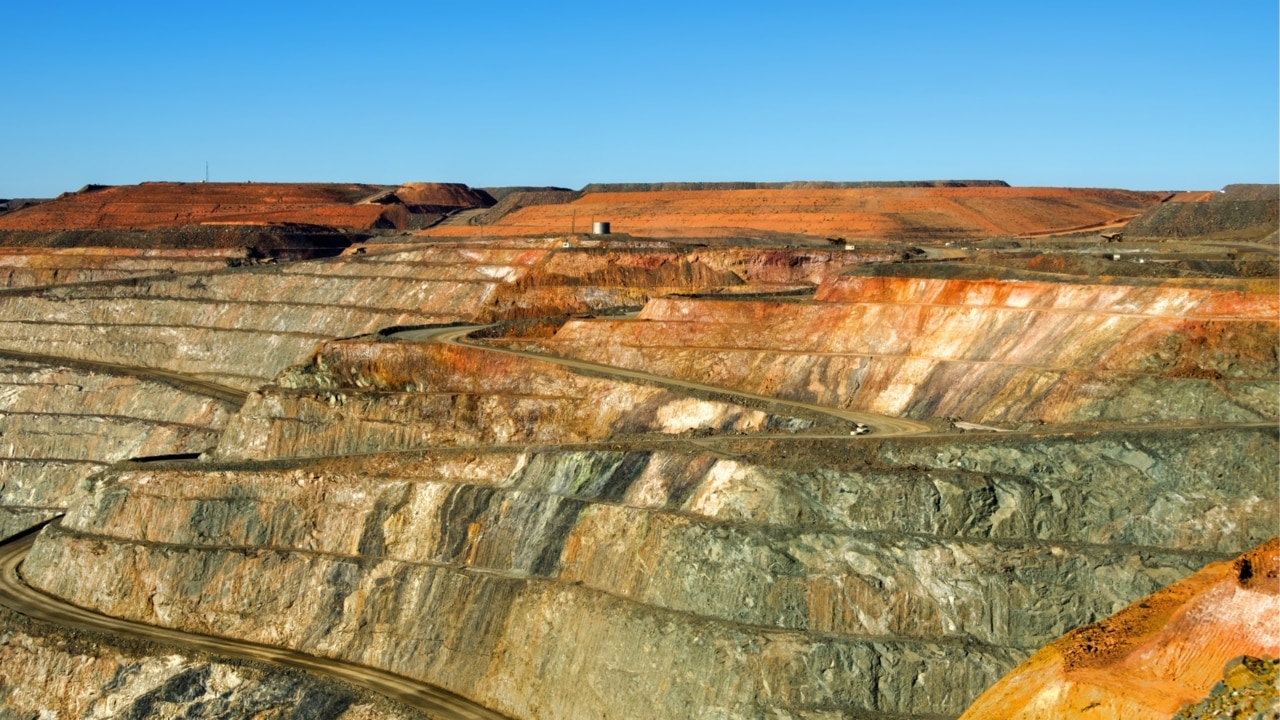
891 578
27 268
1155 656
1030 348
496 524
59 424
936 213
1238 212
49 672
358 397
242 326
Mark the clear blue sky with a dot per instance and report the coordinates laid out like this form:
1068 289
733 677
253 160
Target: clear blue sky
1147 95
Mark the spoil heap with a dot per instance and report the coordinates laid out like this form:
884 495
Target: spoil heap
1238 212
934 214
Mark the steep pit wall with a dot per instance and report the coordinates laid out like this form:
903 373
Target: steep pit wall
897 577
1157 655
363 396
1028 350
58 425
606 274
51 672
27 268
240 327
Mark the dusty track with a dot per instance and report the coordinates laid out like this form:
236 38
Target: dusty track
22 598
182 382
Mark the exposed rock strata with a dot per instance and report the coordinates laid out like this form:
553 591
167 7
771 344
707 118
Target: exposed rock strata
241 327
671 550
60 424
1028 350
48 673
901 579
1157 655
364 396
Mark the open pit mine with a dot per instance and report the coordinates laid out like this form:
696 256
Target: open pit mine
802 451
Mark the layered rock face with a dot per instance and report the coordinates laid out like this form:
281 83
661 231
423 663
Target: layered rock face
360 397
25 268
59 424
52 673
242 326
1160 654
672 514
899 578
1026 348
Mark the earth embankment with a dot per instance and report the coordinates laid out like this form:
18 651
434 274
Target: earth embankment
882 213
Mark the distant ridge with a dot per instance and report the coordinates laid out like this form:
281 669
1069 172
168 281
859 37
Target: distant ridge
793 185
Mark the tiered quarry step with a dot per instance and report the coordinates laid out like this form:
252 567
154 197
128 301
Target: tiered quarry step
52 671
1160 654
358 397
27 268
242 326
896 577
239 327
60 424
894 213
1033 348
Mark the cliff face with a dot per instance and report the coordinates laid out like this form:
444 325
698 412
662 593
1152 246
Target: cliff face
994 351
929 567
25 268
359 397
1157 655
60 424
53 673
561 540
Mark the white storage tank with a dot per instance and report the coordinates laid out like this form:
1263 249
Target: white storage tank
599 228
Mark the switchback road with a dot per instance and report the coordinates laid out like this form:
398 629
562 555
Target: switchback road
16 595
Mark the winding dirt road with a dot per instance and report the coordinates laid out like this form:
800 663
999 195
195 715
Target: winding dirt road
16 595
226 394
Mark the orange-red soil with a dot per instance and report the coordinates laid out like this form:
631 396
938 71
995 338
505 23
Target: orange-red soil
1156 655
159 205
892 213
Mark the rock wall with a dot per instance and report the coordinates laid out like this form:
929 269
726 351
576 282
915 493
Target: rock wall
990 351
566 543
364 396
49 673
899 577
60 424
1159 654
